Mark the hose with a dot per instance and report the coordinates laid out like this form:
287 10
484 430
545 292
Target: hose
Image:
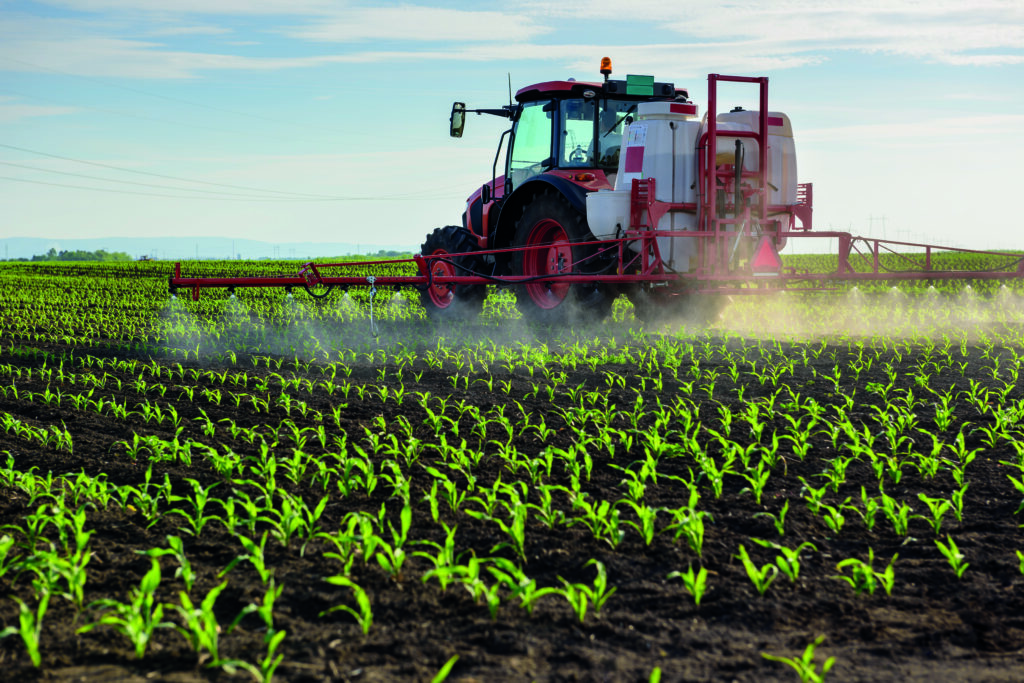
313 294
505 281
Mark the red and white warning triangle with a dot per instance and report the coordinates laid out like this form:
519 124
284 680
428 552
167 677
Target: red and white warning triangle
766 261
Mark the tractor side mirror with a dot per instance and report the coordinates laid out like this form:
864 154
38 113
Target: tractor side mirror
457 119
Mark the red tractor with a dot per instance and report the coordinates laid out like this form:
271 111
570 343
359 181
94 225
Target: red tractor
564 143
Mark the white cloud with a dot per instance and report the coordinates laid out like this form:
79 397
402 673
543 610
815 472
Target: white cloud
941 30
742 36
190 31
114 57
984 60
220 7
11 110
682 61
417 23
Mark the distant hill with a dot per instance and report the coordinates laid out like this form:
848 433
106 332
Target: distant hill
183 248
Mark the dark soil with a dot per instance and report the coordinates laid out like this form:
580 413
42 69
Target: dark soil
933 627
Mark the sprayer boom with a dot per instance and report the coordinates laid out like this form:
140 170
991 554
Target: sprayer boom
860 259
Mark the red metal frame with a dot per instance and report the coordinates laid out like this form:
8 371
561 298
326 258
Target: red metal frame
756 225
650 270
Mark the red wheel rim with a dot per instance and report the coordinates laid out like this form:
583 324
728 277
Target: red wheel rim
552 254
441 295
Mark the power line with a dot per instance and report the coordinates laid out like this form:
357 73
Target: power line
148 194
130 182
225 198
289 196
167 177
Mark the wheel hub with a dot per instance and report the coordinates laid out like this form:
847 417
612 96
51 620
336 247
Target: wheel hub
551 254
441 294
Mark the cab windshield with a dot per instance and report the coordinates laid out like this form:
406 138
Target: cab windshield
592 132
588 134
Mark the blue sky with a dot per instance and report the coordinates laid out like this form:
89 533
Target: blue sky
288 120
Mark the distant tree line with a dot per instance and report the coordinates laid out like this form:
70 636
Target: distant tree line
78 255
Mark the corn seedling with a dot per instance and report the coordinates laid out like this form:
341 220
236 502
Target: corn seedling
254 555
777 520
579 595
364 612
953 556
804 665
761 577
442 674
30 626
200 627
788 560
695 582
834 517
897 512
938 508
137 619
863 576
264 611
521 586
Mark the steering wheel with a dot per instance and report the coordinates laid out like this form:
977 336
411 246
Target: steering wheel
578 156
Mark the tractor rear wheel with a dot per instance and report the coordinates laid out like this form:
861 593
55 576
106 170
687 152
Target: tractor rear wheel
455 245
548 236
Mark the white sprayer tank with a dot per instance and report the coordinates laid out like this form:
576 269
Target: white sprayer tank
781 152
660 144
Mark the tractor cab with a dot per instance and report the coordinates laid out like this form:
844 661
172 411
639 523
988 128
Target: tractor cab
571 125
566 132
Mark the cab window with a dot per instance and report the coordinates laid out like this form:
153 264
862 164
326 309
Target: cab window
612 120
578 119
576 148
531 146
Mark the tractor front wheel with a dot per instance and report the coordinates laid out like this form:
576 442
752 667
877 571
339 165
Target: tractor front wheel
548 237
453 248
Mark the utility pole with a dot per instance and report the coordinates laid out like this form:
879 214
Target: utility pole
871 224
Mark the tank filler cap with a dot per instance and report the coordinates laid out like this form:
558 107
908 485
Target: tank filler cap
736 109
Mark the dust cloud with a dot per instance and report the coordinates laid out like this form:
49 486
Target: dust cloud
893 313
339 326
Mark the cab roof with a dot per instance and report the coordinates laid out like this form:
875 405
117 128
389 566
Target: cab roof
569 89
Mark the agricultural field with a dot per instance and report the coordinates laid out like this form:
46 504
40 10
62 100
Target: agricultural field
259 487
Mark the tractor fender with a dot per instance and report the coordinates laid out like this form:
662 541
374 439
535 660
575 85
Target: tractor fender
512 207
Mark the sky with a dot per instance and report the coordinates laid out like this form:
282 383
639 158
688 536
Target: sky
318 120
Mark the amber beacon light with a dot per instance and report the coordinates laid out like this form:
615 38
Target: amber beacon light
606 66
